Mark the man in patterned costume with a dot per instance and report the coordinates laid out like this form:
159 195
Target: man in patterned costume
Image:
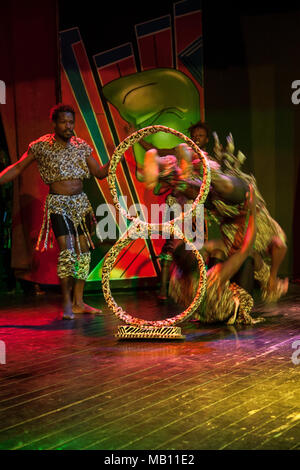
64 161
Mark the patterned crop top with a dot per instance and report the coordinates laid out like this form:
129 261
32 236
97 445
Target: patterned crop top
59 163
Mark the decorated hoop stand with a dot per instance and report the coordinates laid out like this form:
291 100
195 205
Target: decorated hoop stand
137 328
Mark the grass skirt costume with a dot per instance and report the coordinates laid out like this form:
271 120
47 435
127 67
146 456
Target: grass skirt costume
229 303
70 215
75 211
233 232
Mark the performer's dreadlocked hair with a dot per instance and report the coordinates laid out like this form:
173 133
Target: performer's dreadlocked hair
201 125
60 108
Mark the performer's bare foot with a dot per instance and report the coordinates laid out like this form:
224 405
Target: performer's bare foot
68 313
38 290
84 308
276 288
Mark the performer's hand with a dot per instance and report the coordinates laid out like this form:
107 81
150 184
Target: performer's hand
129 128
251 199
121 160
276 288
214 166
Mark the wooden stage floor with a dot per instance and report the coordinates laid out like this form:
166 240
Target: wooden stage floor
72 385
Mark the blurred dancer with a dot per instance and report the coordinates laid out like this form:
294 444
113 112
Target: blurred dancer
224 300
270 243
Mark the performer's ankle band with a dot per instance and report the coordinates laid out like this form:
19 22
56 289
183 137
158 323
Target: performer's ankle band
82 266
66 263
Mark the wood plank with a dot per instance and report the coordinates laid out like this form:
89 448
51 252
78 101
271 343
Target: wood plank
72 385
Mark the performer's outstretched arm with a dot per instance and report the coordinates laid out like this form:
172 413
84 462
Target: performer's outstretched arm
232 264
96 170
14 170
231 188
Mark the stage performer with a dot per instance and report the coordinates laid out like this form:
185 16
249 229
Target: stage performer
270 243
180 173
224 204
224 301
64 161
183 193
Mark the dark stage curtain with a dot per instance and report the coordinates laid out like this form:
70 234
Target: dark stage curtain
248 91
29 68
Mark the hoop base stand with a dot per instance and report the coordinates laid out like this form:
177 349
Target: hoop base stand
149 332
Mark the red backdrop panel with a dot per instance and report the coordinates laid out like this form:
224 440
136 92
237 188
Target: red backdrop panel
29 60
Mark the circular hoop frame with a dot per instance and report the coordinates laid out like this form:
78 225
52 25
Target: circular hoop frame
133 139
108 266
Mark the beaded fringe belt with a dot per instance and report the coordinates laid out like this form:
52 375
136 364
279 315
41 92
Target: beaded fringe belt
72 208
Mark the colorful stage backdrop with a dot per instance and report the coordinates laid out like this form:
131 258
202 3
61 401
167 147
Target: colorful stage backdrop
29 68
155 79
116 70
121 63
